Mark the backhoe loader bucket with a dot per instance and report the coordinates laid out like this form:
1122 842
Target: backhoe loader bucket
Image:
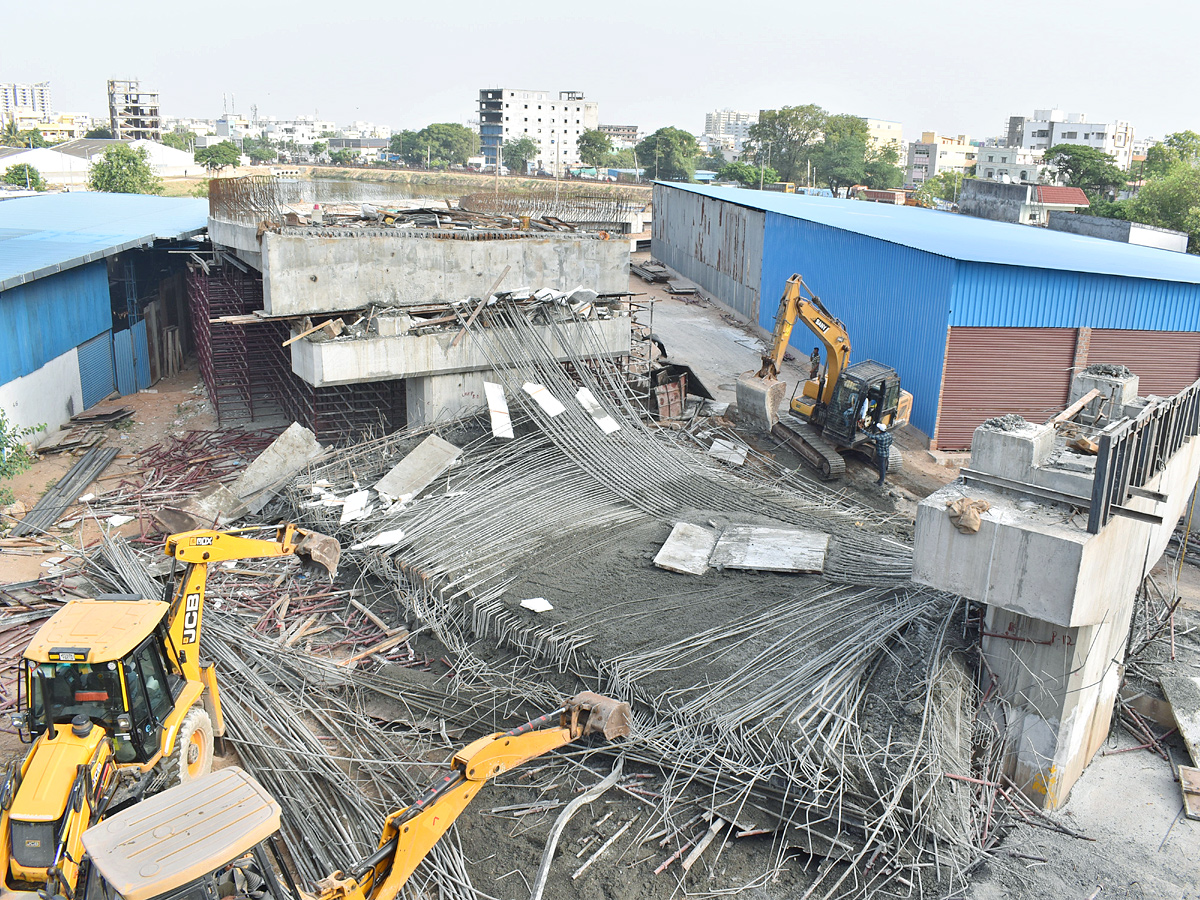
605 715
758 401
320 549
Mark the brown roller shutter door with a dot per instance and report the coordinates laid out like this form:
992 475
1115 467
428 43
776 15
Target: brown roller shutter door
993 371
1165 361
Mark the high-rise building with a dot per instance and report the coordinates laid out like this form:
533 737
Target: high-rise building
1049 127
553 122
25 97
132 112
884 131
734 123
935 153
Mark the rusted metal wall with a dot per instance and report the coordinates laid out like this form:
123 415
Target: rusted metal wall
716 244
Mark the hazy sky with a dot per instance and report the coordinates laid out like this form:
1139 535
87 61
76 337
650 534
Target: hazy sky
956 68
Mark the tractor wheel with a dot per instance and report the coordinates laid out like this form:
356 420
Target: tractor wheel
192 756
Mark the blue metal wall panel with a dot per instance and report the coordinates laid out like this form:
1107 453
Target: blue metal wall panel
141 354
893 299
988 295
44 319
123 357
96 373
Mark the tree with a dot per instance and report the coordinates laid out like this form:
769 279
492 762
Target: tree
714 161
180 140
593 146
518 153
787 139
1085 167
100 133
219 155
124 170
26 176
669 153
1171 202
260 150
14 137
342 157
318 148
946 185
404 145
882 169
748 175
1182 146
447 142
841 159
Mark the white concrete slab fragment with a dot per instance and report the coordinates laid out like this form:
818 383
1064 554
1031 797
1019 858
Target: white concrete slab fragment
429 459
687 549
770 549
546 400
286 455
537 604
356 506
603 420
498 410
1183 693
728 451
383 539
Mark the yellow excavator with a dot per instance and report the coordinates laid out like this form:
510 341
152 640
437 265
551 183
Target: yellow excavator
208 836
117 701
840 407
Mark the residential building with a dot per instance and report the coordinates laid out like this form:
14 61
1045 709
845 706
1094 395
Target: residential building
132 112
996 162
935 153
553 121
1024 204
302 130
64 127
734 123
882 132
622 136
365 148
1049 127
14 97
728 145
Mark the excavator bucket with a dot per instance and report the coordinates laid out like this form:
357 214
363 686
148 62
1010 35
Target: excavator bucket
758 401
320 549
605 715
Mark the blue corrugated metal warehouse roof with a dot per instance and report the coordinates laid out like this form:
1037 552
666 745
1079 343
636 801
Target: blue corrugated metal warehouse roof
967 238
46 234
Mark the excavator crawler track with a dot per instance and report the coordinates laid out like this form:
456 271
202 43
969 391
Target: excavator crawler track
813 448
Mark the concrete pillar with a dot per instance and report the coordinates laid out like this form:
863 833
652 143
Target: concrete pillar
443 397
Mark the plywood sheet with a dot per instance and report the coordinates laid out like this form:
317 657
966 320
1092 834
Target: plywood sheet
770 549
687 549
1183 693
429 459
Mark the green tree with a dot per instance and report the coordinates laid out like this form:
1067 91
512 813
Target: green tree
260 150
1085 167
748 175
219 155
882 170
1171 202
318 148
26 176
180 140
841 158
787 139
713 162
445 141
124 170
12 136
1182 146
518 154
669 154
342 157
945 185
593 146
99 133
404 145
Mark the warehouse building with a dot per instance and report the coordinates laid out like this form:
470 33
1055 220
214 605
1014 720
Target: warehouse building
92 299
980 318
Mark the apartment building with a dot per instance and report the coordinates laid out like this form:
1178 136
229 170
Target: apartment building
553 121
622 136
935 153
1049 127
25 98
1015 165
882 132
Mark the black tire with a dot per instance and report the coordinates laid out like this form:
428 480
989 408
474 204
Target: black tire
192 755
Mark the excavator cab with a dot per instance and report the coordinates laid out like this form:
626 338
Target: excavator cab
867 394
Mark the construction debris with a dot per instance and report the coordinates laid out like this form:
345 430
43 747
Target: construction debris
65 492
687 550
431 459
650 271
1183 693
770 549
965 513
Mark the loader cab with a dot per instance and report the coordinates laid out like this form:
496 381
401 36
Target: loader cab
867 394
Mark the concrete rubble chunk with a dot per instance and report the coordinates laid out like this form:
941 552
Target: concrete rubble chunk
687 549
770 549
728 451
286 455
419 469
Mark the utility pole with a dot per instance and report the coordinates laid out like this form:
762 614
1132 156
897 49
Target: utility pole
656 140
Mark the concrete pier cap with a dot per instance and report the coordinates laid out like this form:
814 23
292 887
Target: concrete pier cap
1058 598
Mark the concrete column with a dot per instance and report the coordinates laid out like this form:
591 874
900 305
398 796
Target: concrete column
443 397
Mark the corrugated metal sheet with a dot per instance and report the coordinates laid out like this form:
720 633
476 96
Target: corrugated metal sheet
892 299
123 358
141 354
987 296
42 235
964 237
96 369
717 245
1165 363
995 371
46 318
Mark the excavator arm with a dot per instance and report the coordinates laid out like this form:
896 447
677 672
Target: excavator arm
410 833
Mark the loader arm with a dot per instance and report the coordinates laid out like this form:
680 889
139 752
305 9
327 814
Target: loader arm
410 833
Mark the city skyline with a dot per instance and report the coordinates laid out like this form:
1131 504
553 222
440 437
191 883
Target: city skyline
305 64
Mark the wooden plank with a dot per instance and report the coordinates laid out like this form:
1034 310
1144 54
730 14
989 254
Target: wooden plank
1071 411
420 468
479 308
1189 784
1183 693
333 328
770 549
388 644
687 549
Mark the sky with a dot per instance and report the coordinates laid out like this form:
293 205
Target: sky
955 68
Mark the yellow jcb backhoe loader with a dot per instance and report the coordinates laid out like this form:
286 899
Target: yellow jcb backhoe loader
840 407
112 693
196 840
